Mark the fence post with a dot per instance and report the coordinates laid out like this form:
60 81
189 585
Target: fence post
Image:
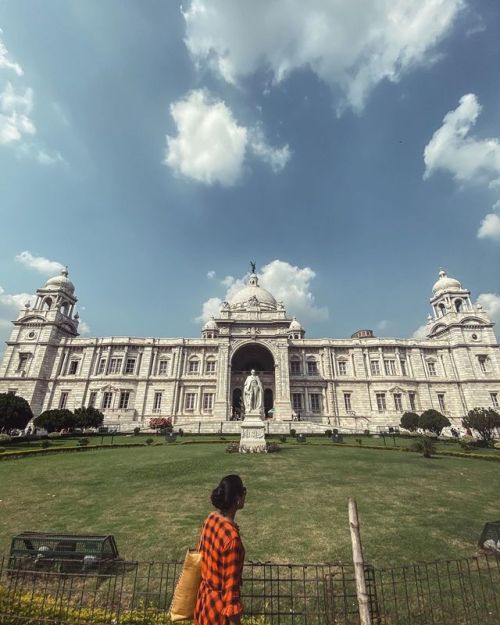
359 564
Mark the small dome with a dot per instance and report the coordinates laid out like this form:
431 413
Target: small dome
444 283
253 294
295 325
210 324
61 282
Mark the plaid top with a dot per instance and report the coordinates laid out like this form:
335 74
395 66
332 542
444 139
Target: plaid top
222 556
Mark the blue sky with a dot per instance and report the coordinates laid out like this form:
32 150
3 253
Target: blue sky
350 149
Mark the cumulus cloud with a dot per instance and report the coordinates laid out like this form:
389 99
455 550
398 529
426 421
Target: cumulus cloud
288 283
491 304
6 62
467 158
15 300
10 305
15 109
83 328
420 332
349 49
490 227
210 145
39 263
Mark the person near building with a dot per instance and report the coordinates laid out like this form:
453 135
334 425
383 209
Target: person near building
222 556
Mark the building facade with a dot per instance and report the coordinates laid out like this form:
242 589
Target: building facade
361 382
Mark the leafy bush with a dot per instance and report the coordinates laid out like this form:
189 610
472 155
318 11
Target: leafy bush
328 433
283 438
425 446
88 417
160 423
272 448
233 448
409 421
15 412
293 432
433 421
137 431
83 442
45 444
484 421
149 441
5 438
55 420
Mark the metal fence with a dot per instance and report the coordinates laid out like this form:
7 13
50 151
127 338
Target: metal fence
462 592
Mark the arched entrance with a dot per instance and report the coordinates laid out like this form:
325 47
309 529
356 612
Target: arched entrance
248 357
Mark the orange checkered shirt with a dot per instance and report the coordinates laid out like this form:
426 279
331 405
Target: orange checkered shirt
222 556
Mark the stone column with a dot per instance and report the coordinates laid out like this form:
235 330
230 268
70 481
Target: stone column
221 407
282 401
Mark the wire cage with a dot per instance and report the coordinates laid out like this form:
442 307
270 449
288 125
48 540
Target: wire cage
63 552
490 537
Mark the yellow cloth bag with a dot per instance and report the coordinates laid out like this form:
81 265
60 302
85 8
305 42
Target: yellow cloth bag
184 599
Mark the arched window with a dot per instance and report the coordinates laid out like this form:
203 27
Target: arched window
312 366
210 366
442 309
47 303
163 366
193 365
458 305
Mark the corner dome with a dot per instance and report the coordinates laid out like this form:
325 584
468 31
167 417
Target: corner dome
253 294
295 325
61 282
210 324
444 282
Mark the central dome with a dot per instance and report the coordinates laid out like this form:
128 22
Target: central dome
253 294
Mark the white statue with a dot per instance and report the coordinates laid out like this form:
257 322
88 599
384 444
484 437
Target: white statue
253 394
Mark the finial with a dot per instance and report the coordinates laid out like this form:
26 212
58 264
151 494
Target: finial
27 305
442 272
77 316
252 266
65 272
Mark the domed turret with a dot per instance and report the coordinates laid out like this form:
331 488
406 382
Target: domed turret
252 296
60 282
210 329
295 330
445 283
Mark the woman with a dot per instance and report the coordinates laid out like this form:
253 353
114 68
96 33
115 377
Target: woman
222 556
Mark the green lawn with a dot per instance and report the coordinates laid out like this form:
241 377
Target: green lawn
153 499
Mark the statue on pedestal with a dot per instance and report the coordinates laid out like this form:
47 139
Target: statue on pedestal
253 394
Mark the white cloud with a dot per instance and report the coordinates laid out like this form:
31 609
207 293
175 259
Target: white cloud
5 62
490 227
420 332
15 120
39 263
286 282
491 304
83 328
467 159
16 300
211 274
348 48
210 145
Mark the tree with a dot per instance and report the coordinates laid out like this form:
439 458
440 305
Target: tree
88 417
15 412
55 420
409 421
433 421
484 421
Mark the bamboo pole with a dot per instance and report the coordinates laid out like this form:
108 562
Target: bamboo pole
359 564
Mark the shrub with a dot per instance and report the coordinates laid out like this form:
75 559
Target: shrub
328 433
88 417
83 442
272 448
149 441
293 432
409 421
5 438
55 420
45 444
433 421
425 446
55 435
2 449
15 412
137 431
283 438
233 448
160 423
484 421
359 441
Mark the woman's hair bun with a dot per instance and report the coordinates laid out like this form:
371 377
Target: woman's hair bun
226 494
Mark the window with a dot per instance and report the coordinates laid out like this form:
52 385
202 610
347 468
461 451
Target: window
23 362
130 366
484 363
73 367
342 365
101 366
208 401
398 403
115 365
431 366
193 366
375 367
403 367
124 399
157 402
107 399
315 399
381 407
210 367
442 405
312 367
413 401
297 401
295 367
92 399
63 400
494 399
390 367
163 367
190 401
347 402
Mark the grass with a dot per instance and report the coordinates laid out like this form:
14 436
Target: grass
153 499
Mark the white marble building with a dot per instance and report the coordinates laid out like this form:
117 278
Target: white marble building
361 382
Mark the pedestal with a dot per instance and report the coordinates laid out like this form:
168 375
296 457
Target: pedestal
253 438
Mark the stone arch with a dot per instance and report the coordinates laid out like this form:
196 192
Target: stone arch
253 355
